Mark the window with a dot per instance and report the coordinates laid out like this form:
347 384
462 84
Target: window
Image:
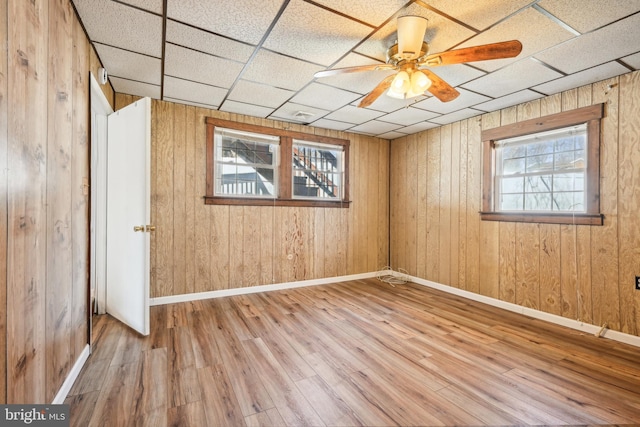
256 165
317 171
544 170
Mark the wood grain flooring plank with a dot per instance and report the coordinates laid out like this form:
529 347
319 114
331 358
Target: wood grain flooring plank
290 402
222 407
354 353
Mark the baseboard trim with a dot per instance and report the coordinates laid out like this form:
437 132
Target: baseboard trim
536 314
255 289
73 375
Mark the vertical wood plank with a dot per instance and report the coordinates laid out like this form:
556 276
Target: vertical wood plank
373 219
80 193
421 213
267 242
489 282
455 205
474 196
179 280
604 239
507 238
410 207
398 219
236 232
27 215
4 145
59 276
433 212
164 202
318 245
251 246
464 185
383 204
629 202
191 198
203 215
444 203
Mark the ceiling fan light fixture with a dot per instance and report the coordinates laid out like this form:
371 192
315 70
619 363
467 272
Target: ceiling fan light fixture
411 30
401 83
419 82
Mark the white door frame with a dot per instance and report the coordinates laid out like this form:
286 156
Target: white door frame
100 109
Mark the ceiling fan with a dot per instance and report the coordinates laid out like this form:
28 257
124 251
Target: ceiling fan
410 57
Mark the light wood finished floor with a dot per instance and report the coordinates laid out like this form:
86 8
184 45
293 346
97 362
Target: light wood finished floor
354 353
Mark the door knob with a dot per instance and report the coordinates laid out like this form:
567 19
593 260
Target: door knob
138 228
150 228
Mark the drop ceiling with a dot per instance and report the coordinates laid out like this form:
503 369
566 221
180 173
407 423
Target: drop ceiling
258 57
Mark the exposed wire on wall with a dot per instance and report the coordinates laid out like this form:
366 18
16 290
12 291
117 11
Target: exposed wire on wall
392 277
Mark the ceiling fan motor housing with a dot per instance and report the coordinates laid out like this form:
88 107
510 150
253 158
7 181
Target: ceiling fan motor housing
397 58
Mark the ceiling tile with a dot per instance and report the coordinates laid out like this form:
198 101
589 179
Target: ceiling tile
508 101
479 14
442 34
200 67
288 112
533 29
280 71
192 91
331 124
408 116
203 41
246 109
259 94
392 135
373 12
355 115
324 97
195 104
244 20
122 26
457 116
591 75
633 60
604 45
419 127
375 127
587 15
457 74
314 34
129 65
466 99
512 78
131 87
154 6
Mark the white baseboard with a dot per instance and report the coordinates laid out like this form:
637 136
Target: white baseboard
73 375
537 314
254 289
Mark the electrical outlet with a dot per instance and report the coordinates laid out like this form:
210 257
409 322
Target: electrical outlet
638 283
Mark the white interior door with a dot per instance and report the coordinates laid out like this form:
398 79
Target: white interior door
128 215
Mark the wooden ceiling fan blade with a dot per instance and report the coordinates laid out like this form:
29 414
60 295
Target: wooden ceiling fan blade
376 92
441 89
508 49
346 70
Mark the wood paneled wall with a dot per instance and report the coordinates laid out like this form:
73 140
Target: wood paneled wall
198 247
579 272
44 232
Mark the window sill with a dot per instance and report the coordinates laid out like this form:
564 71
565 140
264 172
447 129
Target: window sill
243 201
544 218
